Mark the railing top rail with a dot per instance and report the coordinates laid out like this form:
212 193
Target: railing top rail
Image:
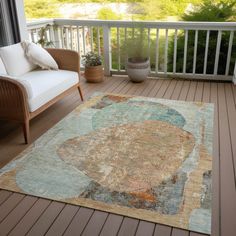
139 24
39 23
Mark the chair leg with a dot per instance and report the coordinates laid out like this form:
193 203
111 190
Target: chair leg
26 131
80 92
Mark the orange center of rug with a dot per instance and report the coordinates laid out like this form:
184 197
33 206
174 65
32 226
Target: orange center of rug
131 157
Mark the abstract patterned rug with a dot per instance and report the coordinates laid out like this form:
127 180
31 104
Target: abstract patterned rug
141 157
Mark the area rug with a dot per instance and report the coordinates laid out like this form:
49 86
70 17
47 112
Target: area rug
140 157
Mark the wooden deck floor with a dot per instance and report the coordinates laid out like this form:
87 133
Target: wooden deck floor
21 214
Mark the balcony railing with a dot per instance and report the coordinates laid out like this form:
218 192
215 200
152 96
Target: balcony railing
200 50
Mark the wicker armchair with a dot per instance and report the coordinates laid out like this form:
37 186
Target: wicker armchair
14 97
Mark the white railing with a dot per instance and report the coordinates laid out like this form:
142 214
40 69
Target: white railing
202 50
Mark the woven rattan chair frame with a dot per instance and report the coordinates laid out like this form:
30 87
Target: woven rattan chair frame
13 96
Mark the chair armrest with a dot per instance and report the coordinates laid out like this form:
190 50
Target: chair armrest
66 59
13 100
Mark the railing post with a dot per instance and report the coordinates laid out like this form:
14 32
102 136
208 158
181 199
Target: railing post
107 50
56 36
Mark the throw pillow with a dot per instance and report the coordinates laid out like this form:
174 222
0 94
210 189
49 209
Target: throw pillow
39 56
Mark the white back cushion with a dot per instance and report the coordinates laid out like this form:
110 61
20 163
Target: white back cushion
39 56
15 60
2 67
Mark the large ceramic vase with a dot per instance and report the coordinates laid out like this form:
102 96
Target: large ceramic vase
138 69
94 74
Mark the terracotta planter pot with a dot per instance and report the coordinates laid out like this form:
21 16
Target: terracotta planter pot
94 74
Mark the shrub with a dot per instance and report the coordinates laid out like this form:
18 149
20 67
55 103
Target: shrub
218 11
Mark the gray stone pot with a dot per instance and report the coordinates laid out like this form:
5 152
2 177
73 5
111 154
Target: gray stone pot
138 69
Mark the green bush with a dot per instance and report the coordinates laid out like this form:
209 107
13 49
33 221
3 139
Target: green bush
215 11
106 13
41 9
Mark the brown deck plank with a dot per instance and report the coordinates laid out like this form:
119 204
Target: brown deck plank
196 234
206 92
79 222
215 221
199 92
145 228
107 85
178 89
170 90
228 193
95 223
112 225
191 91
10 204
62 221
120 84
148 88
95 87
46 219
161 92
128 227
133 88
143 86
16 214
4 195
156 88
30 218
184 91
119 88
231 111
162 230
179 232
125 89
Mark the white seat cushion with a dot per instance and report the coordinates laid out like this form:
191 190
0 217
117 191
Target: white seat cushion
44 85
15 60
2 68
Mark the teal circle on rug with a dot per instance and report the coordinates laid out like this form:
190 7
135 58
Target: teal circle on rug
135 111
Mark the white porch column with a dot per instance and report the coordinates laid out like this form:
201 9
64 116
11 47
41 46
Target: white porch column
21 19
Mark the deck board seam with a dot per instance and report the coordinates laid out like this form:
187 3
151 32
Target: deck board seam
23 216
13 207
230 135
39 217
219 156
72 219
54 220
103 224
7 197
85 226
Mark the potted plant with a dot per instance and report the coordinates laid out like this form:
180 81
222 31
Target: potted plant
138 63
93 67
42 35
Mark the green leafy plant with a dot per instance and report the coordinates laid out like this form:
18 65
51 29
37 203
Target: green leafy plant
91 59
136 45
215 11
43 40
